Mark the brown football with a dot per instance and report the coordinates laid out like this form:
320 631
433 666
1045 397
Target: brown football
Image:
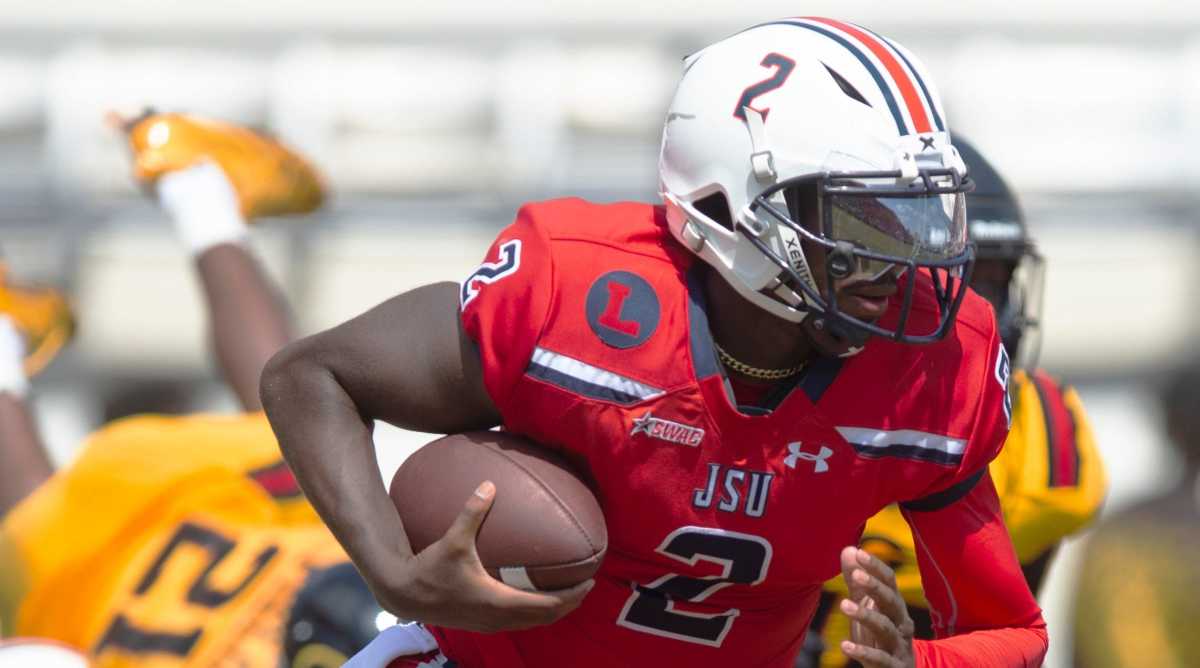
545 530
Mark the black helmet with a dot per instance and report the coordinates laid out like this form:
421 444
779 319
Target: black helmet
996 225
332 618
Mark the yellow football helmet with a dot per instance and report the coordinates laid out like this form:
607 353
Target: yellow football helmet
270 179
42 315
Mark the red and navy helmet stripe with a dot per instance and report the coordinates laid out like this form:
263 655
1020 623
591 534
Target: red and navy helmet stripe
859 42
937 118
881 51
901 127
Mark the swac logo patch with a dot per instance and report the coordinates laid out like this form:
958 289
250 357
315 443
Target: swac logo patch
667 430
490 272
622 309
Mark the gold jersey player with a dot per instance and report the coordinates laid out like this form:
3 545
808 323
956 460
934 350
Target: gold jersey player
1049 475
178 541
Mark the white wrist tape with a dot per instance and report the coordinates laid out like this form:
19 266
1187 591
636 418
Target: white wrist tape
12 359
409 639
203 205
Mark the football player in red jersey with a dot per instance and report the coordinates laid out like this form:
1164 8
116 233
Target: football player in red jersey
741 360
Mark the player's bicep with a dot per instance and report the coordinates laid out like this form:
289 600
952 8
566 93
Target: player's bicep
408 361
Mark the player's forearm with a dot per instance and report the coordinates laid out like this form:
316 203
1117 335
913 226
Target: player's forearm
1000 648
405 361
247 316
328 445
982 605
24 462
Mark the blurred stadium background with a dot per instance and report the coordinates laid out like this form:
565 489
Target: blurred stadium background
434 121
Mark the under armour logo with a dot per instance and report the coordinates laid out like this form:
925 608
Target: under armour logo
821 465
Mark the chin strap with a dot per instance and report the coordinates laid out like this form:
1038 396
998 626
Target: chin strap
760 156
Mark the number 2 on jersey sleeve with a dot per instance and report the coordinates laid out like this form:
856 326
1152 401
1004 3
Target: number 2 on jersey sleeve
490 272
651 608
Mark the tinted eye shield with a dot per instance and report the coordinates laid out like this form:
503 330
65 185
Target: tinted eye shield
918 224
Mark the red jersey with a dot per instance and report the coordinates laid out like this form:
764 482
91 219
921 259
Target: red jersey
723 523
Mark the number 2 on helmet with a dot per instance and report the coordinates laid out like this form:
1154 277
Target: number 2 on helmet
783 69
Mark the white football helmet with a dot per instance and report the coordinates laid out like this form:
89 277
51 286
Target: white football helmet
816 132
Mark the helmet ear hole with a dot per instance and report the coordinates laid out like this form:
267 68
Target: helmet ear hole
716 207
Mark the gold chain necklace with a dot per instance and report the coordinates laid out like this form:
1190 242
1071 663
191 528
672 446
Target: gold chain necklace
753 371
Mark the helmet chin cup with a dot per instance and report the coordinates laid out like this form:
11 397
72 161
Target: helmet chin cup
840 331
842 334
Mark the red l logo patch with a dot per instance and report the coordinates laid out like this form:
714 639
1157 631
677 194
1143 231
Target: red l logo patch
611 317
622 309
